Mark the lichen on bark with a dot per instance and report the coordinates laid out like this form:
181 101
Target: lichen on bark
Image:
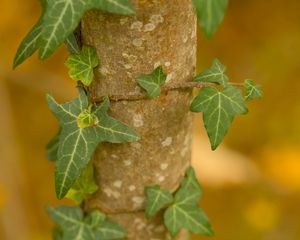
160 33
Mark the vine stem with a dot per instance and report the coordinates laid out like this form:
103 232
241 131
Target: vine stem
164 88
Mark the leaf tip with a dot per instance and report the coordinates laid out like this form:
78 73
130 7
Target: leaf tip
15 63
214 146
208 35
60 194
49 98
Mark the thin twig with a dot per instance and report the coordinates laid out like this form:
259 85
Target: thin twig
164 88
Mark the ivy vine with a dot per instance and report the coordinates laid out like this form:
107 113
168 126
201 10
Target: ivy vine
84 123
219 101
181 208
74 224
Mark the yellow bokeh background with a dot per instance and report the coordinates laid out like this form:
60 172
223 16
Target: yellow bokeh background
251 183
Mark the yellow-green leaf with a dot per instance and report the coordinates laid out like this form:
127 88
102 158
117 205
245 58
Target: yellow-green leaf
84 186
81 65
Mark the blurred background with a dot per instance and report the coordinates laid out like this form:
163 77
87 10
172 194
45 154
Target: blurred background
251 183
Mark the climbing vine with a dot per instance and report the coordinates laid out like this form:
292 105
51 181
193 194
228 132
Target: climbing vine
181 208
84 121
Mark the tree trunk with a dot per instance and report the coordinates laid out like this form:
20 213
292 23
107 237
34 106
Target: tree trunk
162 32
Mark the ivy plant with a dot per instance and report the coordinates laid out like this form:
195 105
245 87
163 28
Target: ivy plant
219 106
75 225
152 82
253 91
219 109
84 186
214 74
181 210
81 65
85 124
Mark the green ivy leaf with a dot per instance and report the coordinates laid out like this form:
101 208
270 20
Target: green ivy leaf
157 199
90 227
81 65
95 218
252 91
57 23
210 14
63 16
152 82
76 144
190 190
109 230
71 43
52 147
31 41
114 6
29 45
60 20
189 217
214 74
43 3
185 213
84 186
219 109
57 234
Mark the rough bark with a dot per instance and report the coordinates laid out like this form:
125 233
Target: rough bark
161 32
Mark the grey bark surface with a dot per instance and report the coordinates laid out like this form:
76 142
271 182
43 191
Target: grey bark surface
160 33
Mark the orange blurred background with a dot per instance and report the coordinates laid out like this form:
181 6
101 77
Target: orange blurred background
251 183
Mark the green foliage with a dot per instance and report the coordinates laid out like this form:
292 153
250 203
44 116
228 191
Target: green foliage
219 109
52 147
77 144
157 199
90 227
72 44
57 234
63 16
214 74
210 14
81 65
84 186
43 3
29 45
183 211
58 21
252 91
85 125
31 41
152 82
87 119
114 6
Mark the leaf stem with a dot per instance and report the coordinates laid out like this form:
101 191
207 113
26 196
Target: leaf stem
164 88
